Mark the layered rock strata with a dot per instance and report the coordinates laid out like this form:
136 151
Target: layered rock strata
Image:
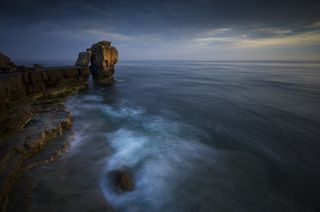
102 57
30 115
28 84
47 123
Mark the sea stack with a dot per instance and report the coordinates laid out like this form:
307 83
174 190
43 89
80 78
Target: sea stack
102 57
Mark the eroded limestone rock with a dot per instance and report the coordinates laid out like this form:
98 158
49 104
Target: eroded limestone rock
27 84
103 59
83 59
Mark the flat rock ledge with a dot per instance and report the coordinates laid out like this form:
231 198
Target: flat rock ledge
32 113
47 122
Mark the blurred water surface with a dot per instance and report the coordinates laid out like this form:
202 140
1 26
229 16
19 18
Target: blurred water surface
198 136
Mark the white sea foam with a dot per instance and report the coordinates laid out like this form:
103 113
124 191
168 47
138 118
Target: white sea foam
173 169
158 152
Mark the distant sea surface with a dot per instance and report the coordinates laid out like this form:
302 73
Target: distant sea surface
197 136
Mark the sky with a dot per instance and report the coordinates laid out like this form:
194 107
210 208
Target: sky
162 30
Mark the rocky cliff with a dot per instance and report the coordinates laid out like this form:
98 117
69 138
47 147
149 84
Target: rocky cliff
31 114
28 84
32 110
34 83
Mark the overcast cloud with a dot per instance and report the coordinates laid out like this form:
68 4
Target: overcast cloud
189 29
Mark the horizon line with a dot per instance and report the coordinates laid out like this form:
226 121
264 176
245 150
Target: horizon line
179 60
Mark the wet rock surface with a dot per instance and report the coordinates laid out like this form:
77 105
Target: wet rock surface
49 121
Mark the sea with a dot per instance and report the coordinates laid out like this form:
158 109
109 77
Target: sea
195 135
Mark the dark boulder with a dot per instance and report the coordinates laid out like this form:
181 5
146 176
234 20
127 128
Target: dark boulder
121 181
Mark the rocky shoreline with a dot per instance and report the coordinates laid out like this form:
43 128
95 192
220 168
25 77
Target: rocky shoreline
33 112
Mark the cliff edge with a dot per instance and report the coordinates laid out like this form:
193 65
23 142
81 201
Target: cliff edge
32 110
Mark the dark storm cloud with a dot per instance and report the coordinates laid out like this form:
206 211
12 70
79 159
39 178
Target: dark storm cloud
153 27
153 15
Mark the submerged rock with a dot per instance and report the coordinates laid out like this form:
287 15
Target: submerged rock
121 181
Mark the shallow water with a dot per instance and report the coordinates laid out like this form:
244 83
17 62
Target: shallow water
198 136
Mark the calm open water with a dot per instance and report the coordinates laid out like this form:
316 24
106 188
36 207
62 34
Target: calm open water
198 136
